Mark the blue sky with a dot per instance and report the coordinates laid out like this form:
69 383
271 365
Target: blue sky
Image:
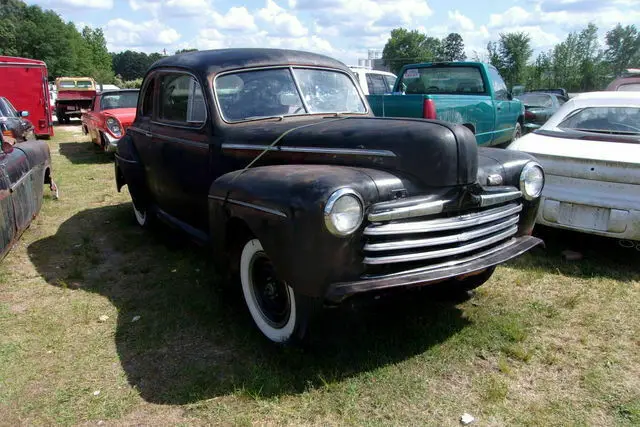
345 29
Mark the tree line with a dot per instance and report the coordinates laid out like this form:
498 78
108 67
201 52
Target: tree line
579 63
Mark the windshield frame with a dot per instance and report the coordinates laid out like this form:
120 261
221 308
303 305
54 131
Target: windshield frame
291 69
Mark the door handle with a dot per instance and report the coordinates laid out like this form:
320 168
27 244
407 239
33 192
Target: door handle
499 108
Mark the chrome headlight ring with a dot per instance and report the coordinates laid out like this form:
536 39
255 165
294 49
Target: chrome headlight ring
532 180
349 218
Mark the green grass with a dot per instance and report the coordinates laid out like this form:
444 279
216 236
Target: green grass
544 342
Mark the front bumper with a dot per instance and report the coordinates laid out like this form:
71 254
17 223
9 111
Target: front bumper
112 143
434 273
530 127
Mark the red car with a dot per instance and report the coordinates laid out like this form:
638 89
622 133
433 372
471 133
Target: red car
110 115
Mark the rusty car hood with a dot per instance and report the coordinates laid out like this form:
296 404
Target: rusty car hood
406 146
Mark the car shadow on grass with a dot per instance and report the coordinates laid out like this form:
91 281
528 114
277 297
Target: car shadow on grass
195 340
86 153
598 256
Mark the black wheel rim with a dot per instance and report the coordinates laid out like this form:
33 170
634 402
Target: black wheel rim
269 292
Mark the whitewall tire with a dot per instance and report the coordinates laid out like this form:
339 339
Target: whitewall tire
271 301
142 216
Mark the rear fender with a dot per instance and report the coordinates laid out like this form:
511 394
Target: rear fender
283 207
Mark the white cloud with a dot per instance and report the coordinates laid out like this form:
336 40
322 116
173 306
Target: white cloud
281 21
461 22
237 18
123 34
171 8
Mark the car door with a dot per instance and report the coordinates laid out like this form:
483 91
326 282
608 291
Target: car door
90 119
140 133
181 136
505 118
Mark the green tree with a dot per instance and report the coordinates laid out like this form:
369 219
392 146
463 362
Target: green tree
408 47
453 48
96 44
179 51
623 46
514 50
493 56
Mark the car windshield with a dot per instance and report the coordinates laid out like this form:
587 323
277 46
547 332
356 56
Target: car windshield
608 120
119 100
273 92
536 99
6 109
630 87
442 80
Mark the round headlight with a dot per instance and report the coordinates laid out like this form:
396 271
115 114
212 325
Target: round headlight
531 180
114 126
343 212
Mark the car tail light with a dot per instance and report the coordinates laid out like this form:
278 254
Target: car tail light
429 109
529 115
8 133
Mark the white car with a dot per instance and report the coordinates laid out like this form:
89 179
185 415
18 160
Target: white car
590 152
374 82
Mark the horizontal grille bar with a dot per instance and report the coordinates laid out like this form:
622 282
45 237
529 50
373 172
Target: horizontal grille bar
454 223
389 212
434 241
442 252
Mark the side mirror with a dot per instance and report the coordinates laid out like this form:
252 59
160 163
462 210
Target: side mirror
24 114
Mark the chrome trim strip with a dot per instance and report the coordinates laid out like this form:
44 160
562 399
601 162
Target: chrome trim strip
434 241
442 252
451 263
489 199
249 205
20 180
462 221
419 209
316 150
122 159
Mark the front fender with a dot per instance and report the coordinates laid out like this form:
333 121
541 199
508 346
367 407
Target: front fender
283 207
129 171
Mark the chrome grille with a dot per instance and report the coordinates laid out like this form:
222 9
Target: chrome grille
440 237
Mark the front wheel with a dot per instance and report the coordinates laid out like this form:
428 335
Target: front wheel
517 132
271 301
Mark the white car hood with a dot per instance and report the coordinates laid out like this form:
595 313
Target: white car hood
551 146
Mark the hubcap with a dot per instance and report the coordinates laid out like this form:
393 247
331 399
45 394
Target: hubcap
269 292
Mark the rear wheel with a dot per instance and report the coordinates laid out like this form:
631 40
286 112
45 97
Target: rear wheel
271 301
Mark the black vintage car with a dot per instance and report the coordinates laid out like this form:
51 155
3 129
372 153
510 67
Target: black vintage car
25 168
273 157
16 126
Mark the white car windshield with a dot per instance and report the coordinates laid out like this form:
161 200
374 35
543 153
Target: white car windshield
610 120
273 92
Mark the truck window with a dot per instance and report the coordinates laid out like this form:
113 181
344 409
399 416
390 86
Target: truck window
499 87
631 87
446 79
376 84
181 100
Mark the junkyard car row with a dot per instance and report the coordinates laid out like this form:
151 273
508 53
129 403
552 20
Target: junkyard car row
276 159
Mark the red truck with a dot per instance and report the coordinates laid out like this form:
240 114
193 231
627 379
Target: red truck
24 82
75 95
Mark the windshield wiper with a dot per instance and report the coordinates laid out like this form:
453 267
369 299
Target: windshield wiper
279 117
608 131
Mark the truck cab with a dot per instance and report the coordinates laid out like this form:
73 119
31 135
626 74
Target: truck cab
75 95
472 94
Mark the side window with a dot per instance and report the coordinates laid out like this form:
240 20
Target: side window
147 99
181 100
391 81
499 87
376 84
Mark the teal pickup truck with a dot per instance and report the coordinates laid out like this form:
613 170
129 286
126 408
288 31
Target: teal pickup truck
468 93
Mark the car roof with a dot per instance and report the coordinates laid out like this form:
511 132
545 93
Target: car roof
106 92
369 70
220 60
609 96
